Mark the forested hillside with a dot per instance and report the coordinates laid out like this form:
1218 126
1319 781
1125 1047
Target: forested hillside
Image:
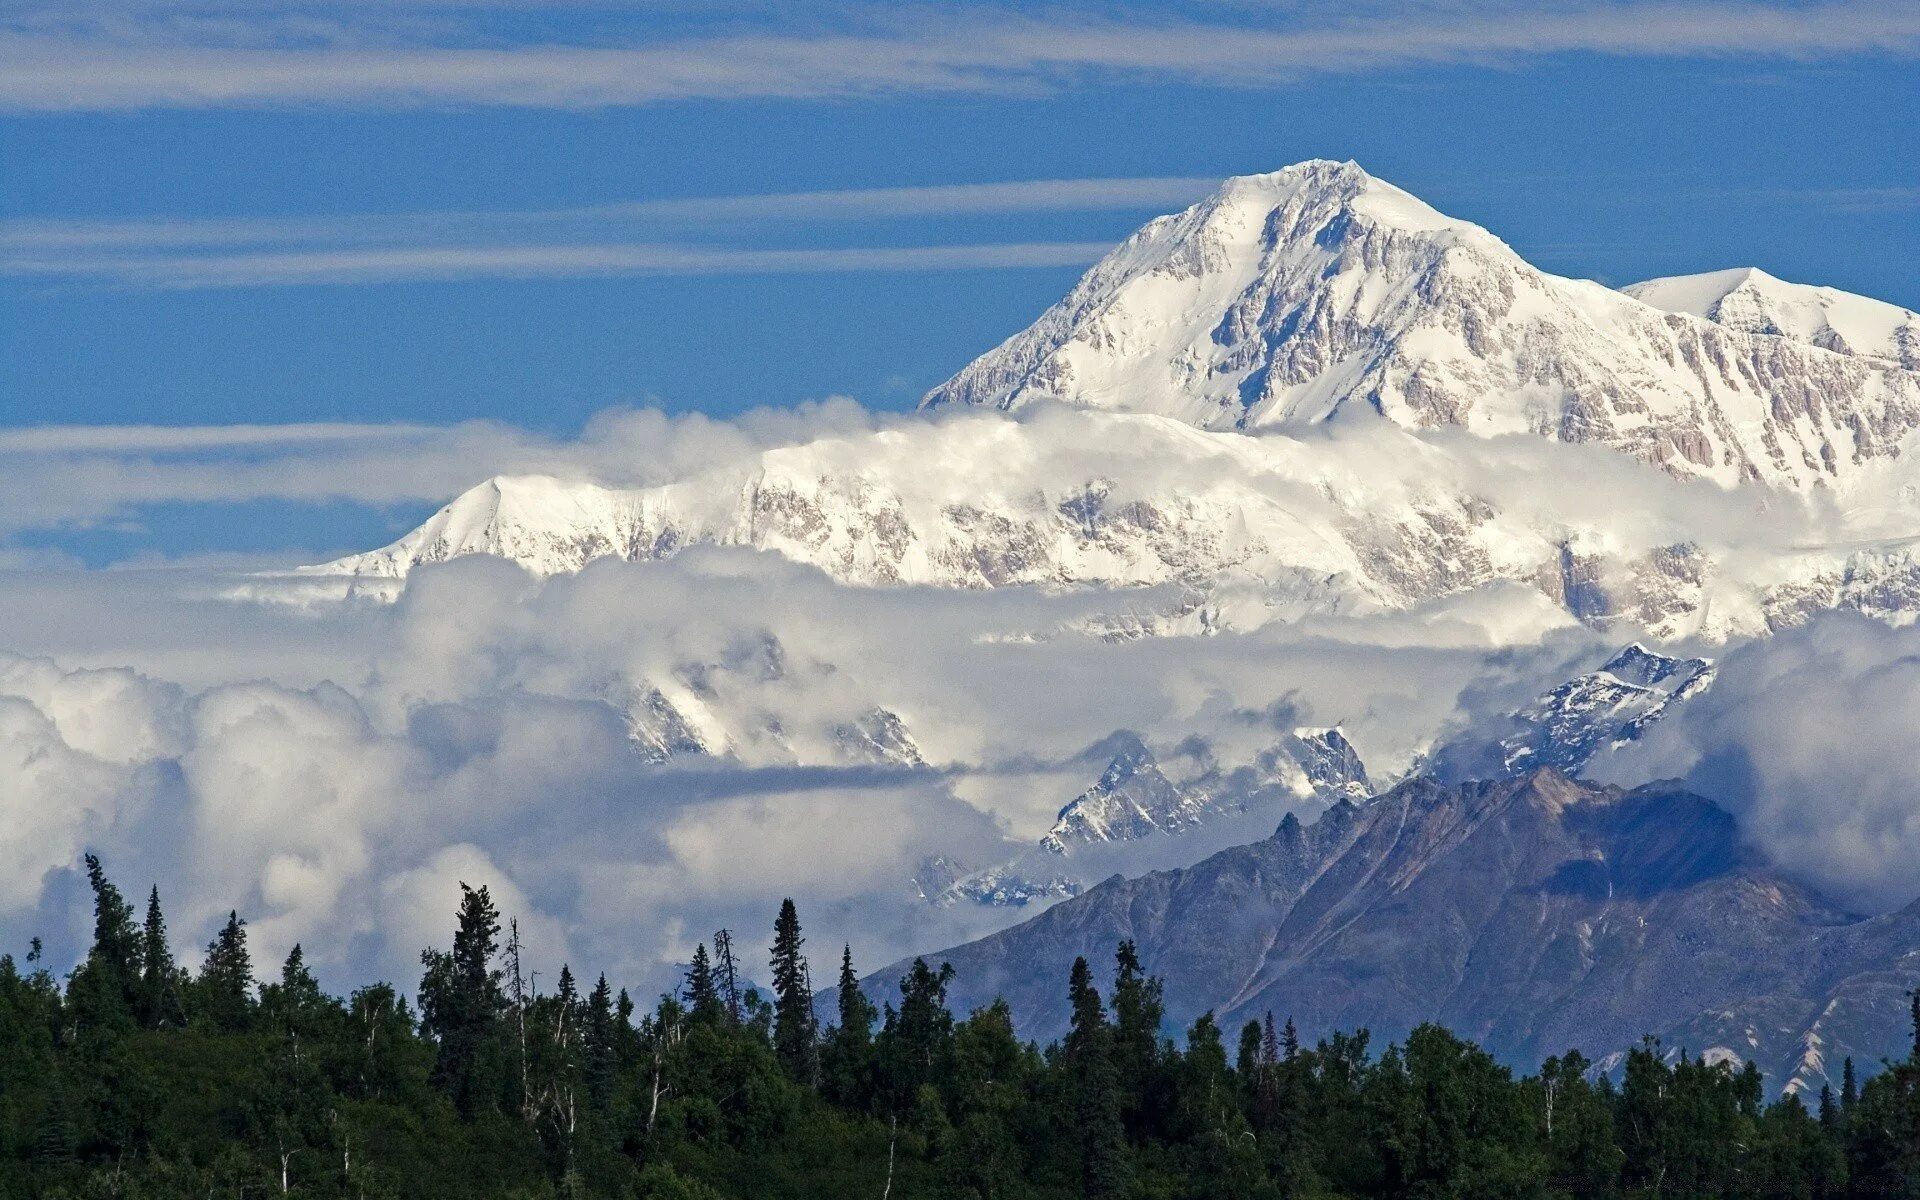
134 1077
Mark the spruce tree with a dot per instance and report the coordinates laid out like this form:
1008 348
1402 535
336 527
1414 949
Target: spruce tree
159 976
463 1002
703 995
601 1050
857 1013
105 989
847 1056
793 1023
225 987
1137 1011
1089 1051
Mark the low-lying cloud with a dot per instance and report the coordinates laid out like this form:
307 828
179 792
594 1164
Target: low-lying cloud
334 772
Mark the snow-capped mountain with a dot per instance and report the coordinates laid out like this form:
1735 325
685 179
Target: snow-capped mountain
1318 292
1134 798
1567 726
1750 300
1137 798
1251 528
1220 377
1602 709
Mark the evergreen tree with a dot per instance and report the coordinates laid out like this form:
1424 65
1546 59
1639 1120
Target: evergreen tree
224 991
1137 1012
1849 1089
847 1056
703 996
1089 1051
793 1022
159 975
105 988
601 1050
462 1002
295 1004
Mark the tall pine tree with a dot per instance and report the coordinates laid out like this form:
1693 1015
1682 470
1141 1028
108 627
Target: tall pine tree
793 1022
1096 1090
224 991
159 976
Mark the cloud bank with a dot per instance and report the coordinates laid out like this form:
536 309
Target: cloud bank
1808 738
335 772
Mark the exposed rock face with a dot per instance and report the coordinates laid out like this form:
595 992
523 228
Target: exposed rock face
1131 799
1588 714
1533 914
1301 296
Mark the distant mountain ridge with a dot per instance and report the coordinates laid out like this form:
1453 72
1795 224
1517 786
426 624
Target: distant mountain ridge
1534 914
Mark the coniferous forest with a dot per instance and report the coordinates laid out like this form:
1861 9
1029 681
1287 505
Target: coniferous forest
136 1077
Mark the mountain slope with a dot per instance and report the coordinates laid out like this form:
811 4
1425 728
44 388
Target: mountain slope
1534 914
1250 528
1750 300
1318 292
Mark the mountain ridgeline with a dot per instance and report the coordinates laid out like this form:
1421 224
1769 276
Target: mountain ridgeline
1310 306
1531 914
141 1078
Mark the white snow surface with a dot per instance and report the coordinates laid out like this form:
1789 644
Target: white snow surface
1319 291
1753 301
1314 394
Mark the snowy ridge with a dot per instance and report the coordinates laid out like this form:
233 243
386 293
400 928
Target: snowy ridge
1134 798
1603 709
1138 797
1750 300
1252 528
1318 292
1202 412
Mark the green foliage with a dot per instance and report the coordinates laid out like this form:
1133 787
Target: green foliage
132 1081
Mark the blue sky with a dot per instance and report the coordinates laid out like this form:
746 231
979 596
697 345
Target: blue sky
263 211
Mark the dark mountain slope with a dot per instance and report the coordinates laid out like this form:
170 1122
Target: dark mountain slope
1532 914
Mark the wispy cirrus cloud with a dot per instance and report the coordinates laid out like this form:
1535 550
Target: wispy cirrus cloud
582 241
55 66
427 264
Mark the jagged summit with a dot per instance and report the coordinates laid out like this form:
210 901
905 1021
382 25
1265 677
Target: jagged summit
1319 292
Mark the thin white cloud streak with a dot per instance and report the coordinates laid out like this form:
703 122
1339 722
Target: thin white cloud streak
160 439
448 263
995 54
1870 199
81 476
965 199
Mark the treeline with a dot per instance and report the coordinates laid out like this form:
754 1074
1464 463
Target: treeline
136 1078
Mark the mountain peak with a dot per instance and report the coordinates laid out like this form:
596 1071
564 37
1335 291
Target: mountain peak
1315 291
1751 301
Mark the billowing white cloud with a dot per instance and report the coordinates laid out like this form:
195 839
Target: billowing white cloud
331 772
1808 738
